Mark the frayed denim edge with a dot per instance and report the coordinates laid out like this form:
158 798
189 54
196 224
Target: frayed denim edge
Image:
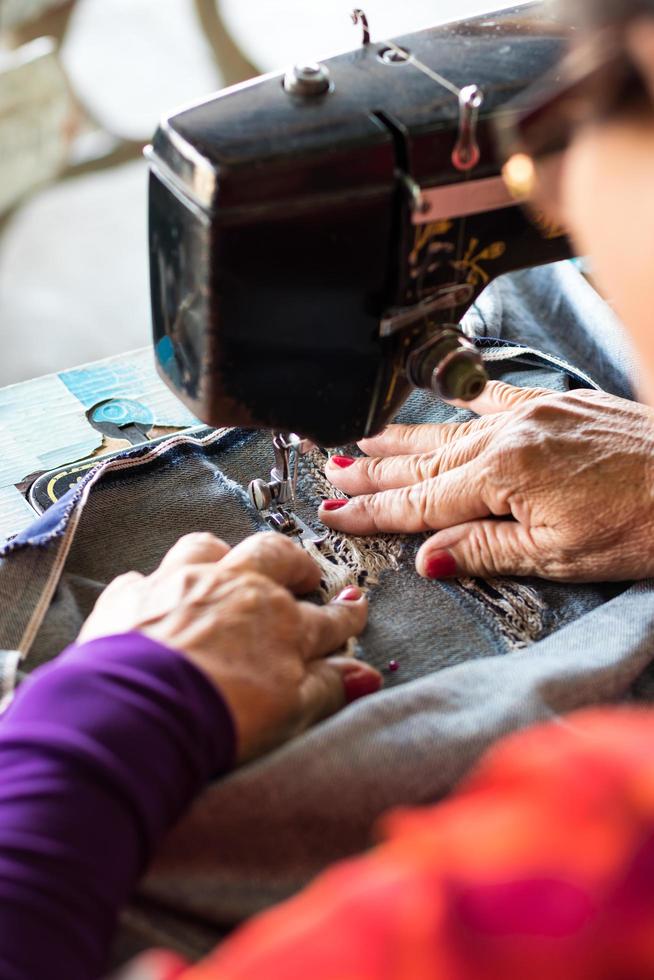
135 456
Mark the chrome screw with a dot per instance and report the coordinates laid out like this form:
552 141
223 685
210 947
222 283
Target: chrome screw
307 80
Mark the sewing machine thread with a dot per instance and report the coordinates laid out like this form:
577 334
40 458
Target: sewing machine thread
359 17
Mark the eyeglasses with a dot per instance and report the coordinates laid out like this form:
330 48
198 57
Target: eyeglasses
594 82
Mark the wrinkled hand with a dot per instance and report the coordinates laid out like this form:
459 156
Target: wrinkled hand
234 613
573 471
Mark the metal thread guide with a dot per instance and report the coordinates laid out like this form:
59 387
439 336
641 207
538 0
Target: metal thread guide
276 498
466 153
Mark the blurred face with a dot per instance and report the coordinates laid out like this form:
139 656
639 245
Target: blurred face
607 201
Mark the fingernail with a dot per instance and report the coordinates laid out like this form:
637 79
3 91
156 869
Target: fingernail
333 504
351 594
342 461
359 683
440 565
156 964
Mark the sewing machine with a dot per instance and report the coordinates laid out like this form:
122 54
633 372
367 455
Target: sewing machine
317 237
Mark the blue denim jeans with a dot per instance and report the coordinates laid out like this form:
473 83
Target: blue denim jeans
477 659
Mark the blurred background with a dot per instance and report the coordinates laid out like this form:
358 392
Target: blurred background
82 86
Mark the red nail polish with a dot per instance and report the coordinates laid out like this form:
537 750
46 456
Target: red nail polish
333 504
359 683
351 594
440 565
342 461
159 964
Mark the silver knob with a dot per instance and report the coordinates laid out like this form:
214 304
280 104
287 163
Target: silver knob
260 494
448 364
307 80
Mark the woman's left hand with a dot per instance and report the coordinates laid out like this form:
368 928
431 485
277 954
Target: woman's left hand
573 472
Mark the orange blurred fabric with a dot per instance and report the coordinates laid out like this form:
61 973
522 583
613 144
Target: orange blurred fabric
541 865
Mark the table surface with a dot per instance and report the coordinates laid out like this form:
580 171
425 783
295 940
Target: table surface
44 422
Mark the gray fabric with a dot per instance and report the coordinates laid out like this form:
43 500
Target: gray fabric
476 659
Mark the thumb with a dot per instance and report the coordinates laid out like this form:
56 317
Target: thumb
333 682
481 549
498 396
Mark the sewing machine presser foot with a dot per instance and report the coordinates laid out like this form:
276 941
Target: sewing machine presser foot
276 497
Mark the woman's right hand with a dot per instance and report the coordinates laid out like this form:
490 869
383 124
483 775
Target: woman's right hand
234 612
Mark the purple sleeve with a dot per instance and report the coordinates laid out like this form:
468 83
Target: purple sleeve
100 752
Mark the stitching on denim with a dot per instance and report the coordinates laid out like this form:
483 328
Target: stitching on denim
66 528
496 349
50 585
517 609
345 558
129 460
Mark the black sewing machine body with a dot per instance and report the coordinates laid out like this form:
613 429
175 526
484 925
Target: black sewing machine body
289 234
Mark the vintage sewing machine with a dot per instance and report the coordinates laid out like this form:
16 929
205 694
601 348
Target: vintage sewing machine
317 237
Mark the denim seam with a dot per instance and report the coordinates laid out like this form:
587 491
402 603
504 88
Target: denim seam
67 526
50 584
123 462
504 350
